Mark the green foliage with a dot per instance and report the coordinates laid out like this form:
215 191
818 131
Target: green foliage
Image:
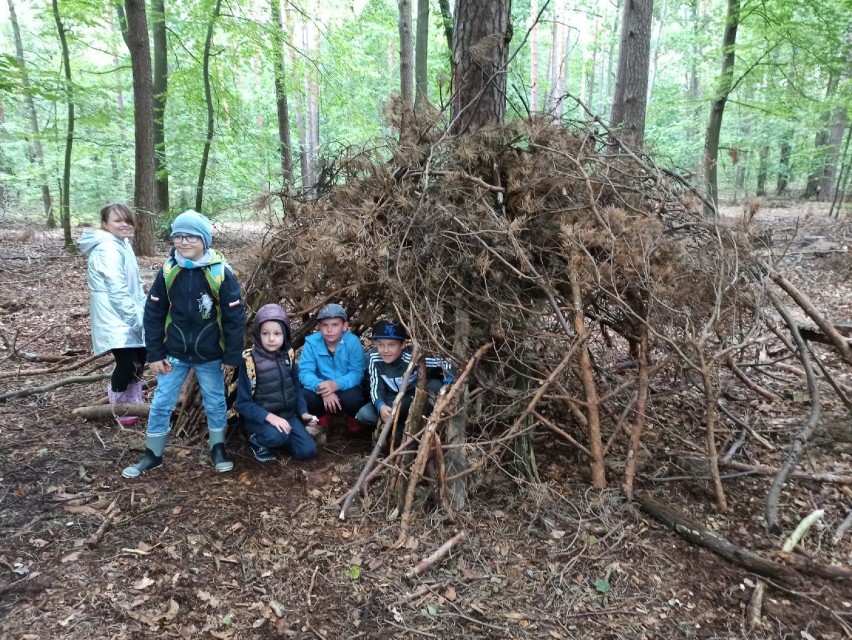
786 54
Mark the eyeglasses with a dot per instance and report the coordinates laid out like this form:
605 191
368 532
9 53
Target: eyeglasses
182 237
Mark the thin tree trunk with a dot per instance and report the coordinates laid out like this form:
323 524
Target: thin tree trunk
447 19
144 191
692 131
65 200
406 65
534 56
762 170
421 55
717 109
119 173
553 61
314 99
160 87
607 76
656 57
820 141
783 168
208 98
284 142
36 152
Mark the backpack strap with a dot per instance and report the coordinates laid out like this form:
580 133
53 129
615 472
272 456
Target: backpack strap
215 276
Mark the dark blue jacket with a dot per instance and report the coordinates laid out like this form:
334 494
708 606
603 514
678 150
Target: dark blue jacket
193 334
251 411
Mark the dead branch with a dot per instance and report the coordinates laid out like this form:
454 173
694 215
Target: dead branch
764 393
28 391
697 534
842 529
808 307
755 604
45 371
764 470
438 555
106 411
807 431
639 420
380 441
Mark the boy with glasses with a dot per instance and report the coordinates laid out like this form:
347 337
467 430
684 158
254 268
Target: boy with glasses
194 319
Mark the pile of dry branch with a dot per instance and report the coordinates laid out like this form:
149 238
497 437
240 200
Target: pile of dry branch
584 277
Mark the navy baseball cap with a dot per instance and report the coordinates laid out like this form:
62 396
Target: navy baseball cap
389 330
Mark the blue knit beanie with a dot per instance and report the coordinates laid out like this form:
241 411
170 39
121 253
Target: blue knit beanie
194 224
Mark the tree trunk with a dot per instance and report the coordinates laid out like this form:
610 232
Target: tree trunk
284 143
36 152
534 56
627 119
555 58
762 170
65 200
482 33
119 174
717 109
783 168
144 194
820 141
692 131
161 86
606 90
406 65
447 19
656 57
421 55
208 98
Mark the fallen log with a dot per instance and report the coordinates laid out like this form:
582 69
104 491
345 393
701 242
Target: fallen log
698 534
107 411
430 561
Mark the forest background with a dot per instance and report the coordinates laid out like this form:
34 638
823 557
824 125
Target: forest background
337 66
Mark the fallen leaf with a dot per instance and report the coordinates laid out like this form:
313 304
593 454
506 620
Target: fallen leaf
556 534
174 607
146 548
277 608
176 511
245 478
81 510
143 583
72 557
450 593
258 623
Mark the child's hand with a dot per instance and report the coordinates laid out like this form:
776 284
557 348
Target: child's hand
309 420
326 388
161 367
279 423
386 412
332 403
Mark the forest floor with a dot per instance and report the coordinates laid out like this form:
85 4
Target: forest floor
260 552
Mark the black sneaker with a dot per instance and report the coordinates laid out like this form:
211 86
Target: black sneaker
220 459
149 461
261 453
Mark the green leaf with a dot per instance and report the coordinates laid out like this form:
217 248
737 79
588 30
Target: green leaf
432 609
602 585
228 618
353 572
592 539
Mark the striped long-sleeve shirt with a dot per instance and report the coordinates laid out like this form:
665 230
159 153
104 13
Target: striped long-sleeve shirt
386 378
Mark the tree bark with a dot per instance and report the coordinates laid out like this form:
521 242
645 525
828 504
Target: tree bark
65 200
482 33
160 87
820 141
144 195
762 170
783 168
421 55
36 152
717 109
285 144
627 118
208 98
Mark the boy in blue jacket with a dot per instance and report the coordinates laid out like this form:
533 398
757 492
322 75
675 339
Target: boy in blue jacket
269 395
331 368
194 320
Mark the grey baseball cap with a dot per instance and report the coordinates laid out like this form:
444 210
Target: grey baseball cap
332 311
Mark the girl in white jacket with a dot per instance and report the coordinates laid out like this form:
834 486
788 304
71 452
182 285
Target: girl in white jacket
117 302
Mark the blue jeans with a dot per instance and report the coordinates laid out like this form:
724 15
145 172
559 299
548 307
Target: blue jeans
298 442
210 378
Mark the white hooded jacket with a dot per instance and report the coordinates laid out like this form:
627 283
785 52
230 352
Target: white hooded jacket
117 298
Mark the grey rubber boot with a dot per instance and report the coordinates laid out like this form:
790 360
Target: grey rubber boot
217 451
153 458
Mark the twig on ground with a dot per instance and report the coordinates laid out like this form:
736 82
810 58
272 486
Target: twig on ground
28 391
438 555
